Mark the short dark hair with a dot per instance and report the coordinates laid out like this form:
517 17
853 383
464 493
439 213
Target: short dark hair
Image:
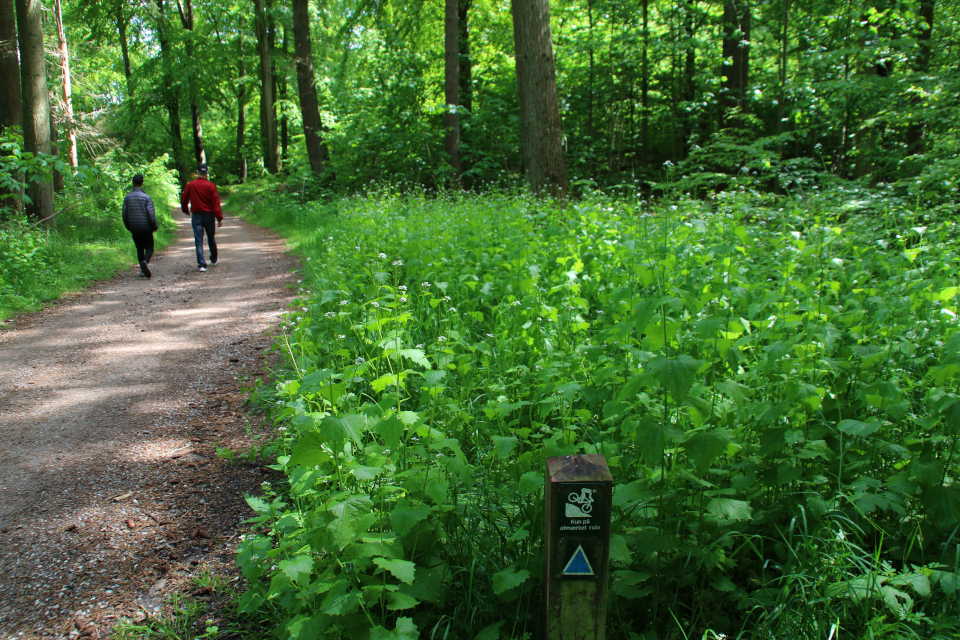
138 180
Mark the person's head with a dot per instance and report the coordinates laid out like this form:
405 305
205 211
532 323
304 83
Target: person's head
138 180
202 170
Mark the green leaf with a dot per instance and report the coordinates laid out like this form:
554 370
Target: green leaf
857 428
397 601
490 632
652 437
298 568
405 630
508 579
309 453
405 517
402 570
707 446
342 427
675 374
341 600
251 599
619 551
730 510
352 519
503 446
417 356
258 504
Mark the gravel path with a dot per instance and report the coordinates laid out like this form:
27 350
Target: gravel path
112 404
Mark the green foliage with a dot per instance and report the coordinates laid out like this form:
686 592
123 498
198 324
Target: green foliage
771 385
86 240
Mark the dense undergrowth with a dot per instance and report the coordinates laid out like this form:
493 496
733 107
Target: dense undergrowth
772 381
86 240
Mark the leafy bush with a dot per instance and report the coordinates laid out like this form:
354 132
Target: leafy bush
87 240
774 391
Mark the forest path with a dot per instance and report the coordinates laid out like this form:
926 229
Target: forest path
112 404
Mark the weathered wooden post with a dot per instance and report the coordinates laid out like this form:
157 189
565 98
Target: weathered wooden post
576 547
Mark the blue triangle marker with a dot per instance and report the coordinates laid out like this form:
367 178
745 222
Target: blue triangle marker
578 565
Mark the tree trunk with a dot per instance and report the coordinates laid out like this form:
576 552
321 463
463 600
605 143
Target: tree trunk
268 118
124 51
541 135
451 88
11 113
282 94
241 103
171 94
645 88
186 19
55 152
466 62
736 58
688 83
306 85
36 101
921 65
783 73
65 84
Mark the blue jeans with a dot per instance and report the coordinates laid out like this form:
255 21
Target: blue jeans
204 222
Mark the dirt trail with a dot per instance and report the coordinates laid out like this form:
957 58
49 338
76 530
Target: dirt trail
112 404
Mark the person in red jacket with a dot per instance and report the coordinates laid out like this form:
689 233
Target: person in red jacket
201 200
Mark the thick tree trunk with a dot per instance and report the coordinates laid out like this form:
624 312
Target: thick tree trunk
541 134
36 101
307 88
11 114
268 118
736 57
241 104
66 84
451 87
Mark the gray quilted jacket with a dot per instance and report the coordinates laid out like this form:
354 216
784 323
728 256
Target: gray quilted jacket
139 215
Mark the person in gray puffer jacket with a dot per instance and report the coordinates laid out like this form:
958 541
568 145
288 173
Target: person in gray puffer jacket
140 219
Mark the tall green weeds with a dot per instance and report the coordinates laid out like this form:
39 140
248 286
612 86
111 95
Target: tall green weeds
773 384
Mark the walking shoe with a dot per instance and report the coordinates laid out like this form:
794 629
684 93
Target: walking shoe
203 268
144 270
213 263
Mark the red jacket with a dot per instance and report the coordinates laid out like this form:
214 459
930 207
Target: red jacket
202 194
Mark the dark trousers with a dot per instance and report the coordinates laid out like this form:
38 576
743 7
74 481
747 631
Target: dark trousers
144 242
204 222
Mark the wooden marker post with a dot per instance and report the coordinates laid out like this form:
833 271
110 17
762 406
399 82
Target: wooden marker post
576 547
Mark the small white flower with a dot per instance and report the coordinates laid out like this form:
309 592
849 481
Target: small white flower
441 339
382 256
402 287
375 303
425 284
344 302
489 335
419 346
398 263
402 299
453 309
515 303
359 361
